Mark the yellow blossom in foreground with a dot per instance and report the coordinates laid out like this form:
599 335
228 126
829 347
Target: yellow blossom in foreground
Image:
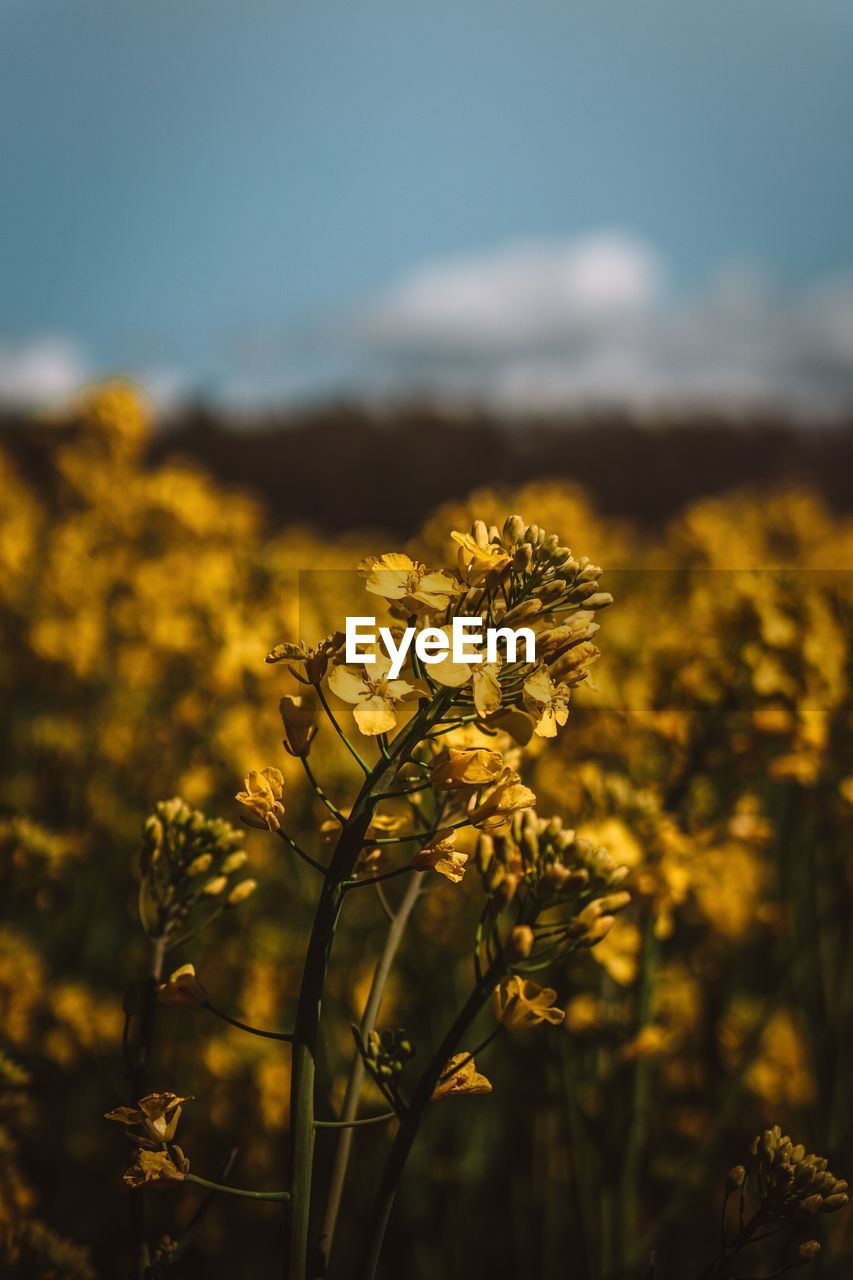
483 677
547 701
508 797
521 1003
460 1076
157 1166
442 856
458 768
262 796
183 988
477 560
372 694
398 578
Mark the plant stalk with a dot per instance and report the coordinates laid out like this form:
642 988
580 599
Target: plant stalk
411 1122
356 1075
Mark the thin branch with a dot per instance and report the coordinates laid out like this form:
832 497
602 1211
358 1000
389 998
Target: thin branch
384 903
386 875
236 1191
191 1230
408 791
244 1026
339 731
384 964
306 857
320 793
355 1124
418 835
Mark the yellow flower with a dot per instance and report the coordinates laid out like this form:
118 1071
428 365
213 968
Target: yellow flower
297 716
461 767
520 1003
157 1166
649 1042
484 677
397 578
547 701
508 797
183 988
618 953
460 1076
574 666
308 663
442 856
583 1014
477 559
372 693
262 796
241 892
157 1115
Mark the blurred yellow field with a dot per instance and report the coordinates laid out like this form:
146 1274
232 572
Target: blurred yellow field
691 770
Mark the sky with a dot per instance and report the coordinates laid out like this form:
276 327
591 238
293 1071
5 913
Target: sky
535 203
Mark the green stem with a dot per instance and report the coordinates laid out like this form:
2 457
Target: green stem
237 1191
141 1059
320 793
306 1030
339 731
411 1121
407 791
386 875
355 1124
424 838
640 1101
306 857
399 920
244 1026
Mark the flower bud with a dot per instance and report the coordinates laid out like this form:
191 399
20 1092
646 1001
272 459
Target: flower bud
735 1178
807 1252
297 716
505 891
199 865
215 886
600 600
480 533
241 892
513 530
234 862
520 942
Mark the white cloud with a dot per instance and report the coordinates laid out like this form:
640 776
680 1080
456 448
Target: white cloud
522 294
548 325
539 324
51 368
44 369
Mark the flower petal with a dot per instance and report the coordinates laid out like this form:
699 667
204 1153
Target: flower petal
347 684
375 715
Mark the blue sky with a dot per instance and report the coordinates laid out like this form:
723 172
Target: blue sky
220 193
